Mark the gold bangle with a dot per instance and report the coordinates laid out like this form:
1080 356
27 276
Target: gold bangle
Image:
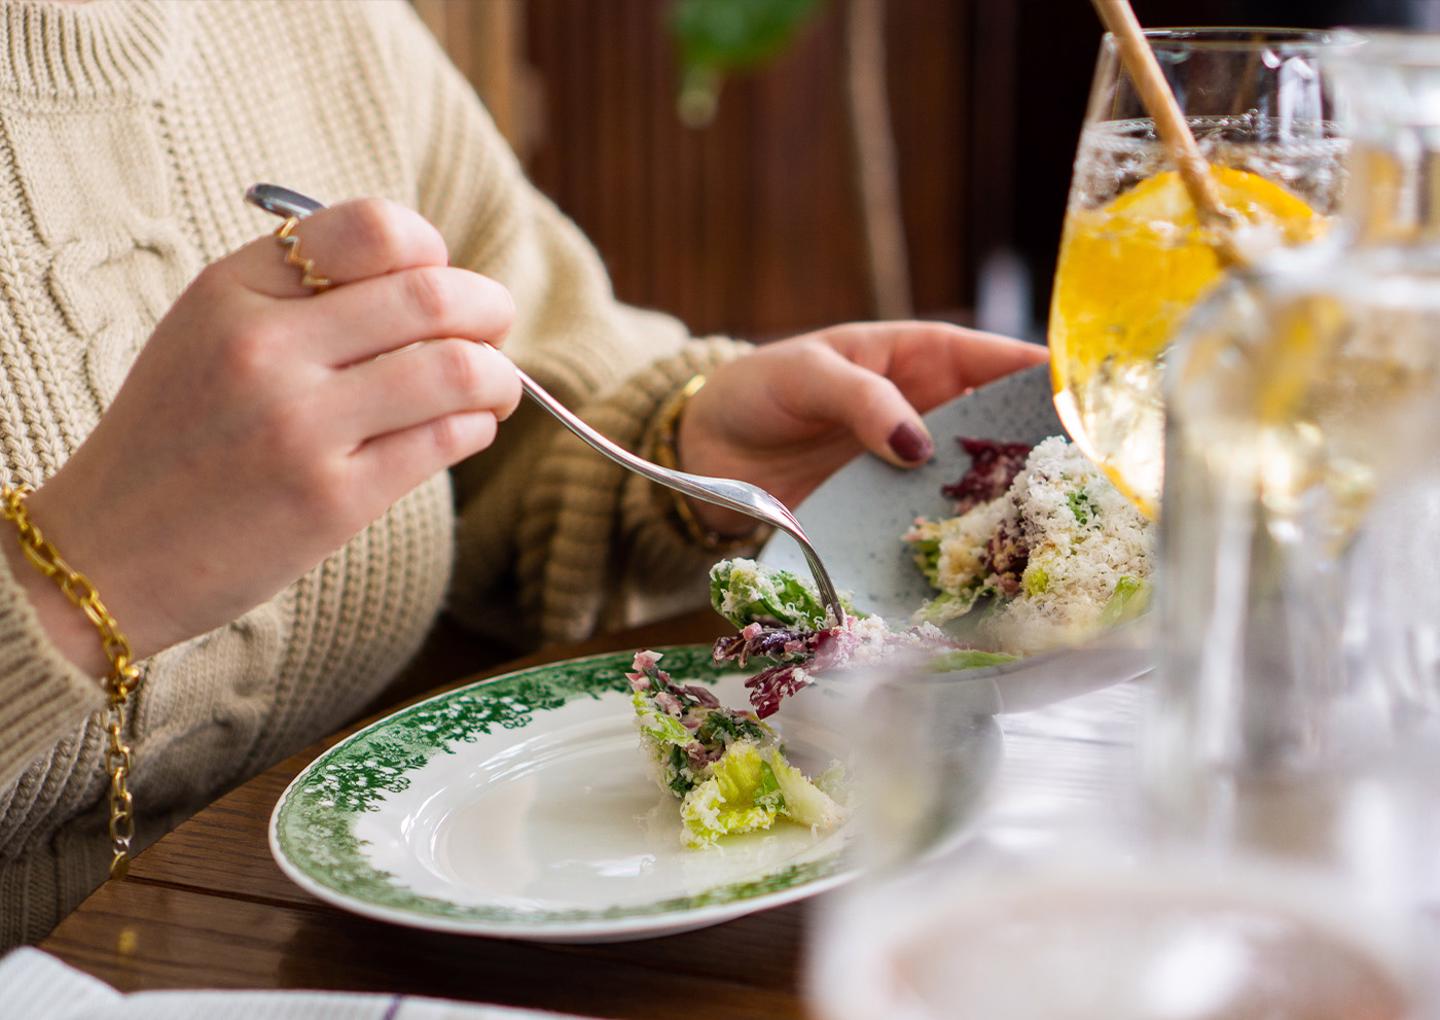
665 452
122 680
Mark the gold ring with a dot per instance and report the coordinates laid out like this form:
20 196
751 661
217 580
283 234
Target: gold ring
285 234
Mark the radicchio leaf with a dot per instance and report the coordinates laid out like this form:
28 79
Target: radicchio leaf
993 466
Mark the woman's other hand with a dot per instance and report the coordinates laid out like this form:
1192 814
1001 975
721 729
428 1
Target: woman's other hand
258 430
791 413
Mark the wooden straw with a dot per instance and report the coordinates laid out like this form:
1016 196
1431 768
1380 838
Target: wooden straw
1159 102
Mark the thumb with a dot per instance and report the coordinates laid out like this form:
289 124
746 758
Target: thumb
871 407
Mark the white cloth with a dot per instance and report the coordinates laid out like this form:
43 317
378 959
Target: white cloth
37 986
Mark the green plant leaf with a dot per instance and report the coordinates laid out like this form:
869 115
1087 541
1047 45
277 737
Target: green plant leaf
730 35
715 37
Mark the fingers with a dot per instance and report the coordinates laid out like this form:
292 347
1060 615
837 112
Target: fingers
425 383
348 242
387 313
984 357
869 405
398 462
931 362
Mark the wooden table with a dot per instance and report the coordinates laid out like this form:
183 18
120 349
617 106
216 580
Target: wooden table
206 906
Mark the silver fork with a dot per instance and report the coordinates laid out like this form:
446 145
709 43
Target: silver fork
742 497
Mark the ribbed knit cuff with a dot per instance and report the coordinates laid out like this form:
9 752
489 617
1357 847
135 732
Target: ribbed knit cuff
667 570
43 696
52 51
607 535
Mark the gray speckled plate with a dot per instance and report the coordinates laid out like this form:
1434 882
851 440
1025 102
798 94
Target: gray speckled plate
856 518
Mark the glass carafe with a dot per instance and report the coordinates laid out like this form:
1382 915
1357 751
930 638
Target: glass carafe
1294 714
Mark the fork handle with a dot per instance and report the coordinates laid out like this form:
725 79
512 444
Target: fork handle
709 489
740 496
725 492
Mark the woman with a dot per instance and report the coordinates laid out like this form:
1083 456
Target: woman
261 502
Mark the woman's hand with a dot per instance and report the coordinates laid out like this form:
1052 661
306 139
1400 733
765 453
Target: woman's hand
791 413
258 430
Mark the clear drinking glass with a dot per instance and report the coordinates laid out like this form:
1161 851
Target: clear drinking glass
1011 875
1134 258
966 787
1269 850
1295 720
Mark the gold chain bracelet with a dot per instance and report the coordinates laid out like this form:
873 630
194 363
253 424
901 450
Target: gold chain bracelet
120 683
665 452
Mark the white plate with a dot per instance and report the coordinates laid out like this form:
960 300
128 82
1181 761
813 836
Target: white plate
855 519
520 807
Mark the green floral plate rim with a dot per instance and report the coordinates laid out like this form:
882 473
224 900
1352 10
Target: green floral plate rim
313 840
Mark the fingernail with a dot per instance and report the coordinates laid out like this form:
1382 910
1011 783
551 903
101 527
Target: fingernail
911 444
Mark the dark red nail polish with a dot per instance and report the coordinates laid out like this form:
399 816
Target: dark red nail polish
910 444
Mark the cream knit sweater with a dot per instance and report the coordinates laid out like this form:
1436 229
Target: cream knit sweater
129 130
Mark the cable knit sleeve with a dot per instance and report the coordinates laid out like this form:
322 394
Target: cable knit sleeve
553 540
45 698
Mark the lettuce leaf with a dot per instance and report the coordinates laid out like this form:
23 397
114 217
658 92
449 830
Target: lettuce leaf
802 801
741 795
968 658
1129 599
745 592
925 548
945 607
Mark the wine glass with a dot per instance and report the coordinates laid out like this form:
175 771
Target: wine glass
1134 257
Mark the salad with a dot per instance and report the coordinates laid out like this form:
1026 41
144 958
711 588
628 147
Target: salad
781 620
728 767
1040 549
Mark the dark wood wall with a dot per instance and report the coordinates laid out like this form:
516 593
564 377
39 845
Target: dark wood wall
750 225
